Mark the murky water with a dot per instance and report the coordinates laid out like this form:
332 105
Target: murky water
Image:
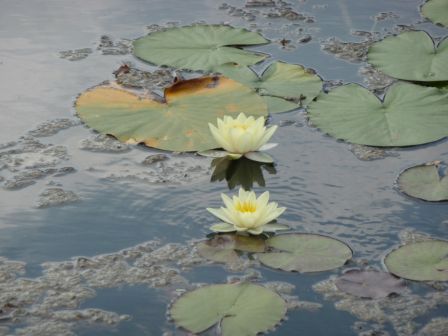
326 188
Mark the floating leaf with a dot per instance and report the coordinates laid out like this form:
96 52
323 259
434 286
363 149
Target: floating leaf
369 284
409 115
223 247
411 56
424 182
436 11
199 47
422 261
177 123
283 85
237 309
305 253
242 172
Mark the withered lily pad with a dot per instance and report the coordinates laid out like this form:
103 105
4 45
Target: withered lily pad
223 247
179 122
199 47
422 261
411 56
436 11
305 253
409 115
369 284
236 309
284 86
424 182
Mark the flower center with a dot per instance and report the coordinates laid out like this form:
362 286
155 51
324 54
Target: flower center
245 207
241 126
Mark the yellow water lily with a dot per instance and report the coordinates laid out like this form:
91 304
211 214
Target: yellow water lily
242 136
247 213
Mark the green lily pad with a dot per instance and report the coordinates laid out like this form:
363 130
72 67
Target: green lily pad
411 56
199 47
424 182
305 253
423 261
223 247
436 11
409 115
178 122
284 86
236 309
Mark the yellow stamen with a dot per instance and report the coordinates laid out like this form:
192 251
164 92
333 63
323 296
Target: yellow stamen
245 207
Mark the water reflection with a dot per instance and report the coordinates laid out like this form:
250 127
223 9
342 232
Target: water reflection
242 172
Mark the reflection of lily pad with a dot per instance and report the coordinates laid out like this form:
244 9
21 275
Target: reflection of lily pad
237 309
305 253
422 261
283 85
424 182
409 115
177 123
223 247
411 56
199 47
436 11
369 284
242 172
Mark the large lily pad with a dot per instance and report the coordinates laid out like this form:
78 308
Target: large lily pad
199 47
369 283
424 182
223 247
436 11
237 309
411 56
409 115
423 261
284 86
179 122
305 253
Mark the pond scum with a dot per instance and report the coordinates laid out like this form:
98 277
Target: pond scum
221 113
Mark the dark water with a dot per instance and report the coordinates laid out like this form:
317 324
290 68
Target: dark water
325 187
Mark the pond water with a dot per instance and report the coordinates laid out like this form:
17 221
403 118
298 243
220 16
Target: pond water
110 203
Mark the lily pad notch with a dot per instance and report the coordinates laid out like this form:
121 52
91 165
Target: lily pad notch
284 86
422 261
408 115
199 47
236 309
411 56
305 253
177 122
425 182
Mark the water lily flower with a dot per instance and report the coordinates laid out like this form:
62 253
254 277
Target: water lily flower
247 213
242 136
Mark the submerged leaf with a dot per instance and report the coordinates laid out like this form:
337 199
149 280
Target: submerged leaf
199 47
222 247
409 115
422 261
238 309
284 86
179 123
242 172
424 182
305 253
411 56
436 11
369 284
